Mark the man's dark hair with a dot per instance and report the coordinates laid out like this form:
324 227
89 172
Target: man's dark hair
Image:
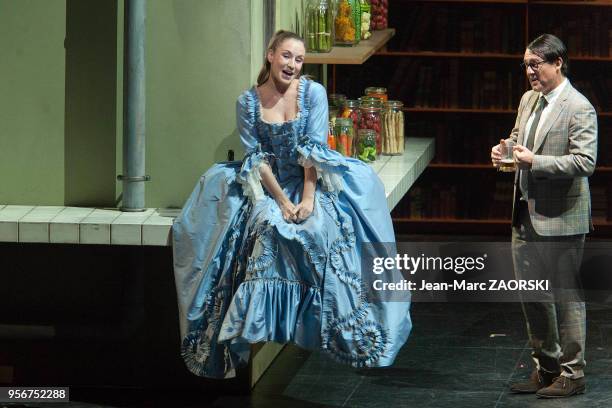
549 48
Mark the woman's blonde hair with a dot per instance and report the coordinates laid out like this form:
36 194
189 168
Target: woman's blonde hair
277 39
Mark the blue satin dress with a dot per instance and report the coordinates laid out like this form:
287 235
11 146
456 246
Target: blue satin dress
244 275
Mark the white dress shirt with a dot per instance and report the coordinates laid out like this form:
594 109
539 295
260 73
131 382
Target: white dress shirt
551 98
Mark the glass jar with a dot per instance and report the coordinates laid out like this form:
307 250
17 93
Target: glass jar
336 101
344 132
377 91
344 24
336 106
370 118
318 30
366 145
331 139
366 17
351 111
393 128
380 14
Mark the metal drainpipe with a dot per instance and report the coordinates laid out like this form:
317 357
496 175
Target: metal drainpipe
134 177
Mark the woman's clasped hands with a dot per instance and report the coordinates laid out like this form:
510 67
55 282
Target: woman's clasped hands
296 213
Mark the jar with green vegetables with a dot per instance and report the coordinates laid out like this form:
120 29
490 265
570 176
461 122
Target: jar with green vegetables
370 118
366 145
319 21
366 14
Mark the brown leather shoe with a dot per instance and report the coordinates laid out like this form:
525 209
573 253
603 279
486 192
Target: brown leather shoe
537 380
563 387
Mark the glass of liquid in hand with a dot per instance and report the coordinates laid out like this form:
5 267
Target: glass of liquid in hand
507 162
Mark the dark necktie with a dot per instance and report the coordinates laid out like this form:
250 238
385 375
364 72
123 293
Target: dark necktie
529 143
534 125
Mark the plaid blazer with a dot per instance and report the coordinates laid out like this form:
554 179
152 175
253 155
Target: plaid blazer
565 152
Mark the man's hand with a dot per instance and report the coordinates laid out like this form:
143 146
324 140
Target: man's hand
496 153
523 157
304 209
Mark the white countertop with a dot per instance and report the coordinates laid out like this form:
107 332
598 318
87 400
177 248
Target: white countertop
77 225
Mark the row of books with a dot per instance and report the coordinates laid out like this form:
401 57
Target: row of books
446 27
438 27
449 84
457 143
445 199
584 32
598 89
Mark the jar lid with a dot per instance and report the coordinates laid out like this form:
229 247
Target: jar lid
371 98
344 122
375 90
370 103
336 96
351 103
394 104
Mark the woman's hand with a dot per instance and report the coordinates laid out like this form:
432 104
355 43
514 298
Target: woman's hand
288 209
304 209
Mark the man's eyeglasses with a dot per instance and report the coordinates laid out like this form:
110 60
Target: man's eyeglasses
533 65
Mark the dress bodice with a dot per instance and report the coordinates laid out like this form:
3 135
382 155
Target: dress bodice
281 139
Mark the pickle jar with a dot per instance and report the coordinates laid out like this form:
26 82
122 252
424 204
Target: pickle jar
377 91
331 139
392 132
351 111
319 24
380 14
366 14
336 103
336 106
344 133
370 110
344 23
366 145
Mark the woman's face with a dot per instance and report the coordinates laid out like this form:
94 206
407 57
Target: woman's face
286 61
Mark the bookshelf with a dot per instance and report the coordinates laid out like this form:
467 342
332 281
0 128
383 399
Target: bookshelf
454 64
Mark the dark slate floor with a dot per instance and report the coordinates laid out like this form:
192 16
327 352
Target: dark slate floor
459 355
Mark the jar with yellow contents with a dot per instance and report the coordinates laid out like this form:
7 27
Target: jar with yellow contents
344 24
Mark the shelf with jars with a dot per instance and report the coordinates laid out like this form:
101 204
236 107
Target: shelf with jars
354 55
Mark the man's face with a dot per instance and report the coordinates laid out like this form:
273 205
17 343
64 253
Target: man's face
543 76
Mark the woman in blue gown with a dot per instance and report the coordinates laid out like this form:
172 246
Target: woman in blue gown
269 249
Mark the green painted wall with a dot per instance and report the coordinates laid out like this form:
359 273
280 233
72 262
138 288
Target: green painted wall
289 15
91 98
199 60
32 70
200 56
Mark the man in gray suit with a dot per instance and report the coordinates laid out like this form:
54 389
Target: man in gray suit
556 136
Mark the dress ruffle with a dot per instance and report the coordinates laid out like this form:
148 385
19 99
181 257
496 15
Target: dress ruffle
330 165
273 310
250 177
